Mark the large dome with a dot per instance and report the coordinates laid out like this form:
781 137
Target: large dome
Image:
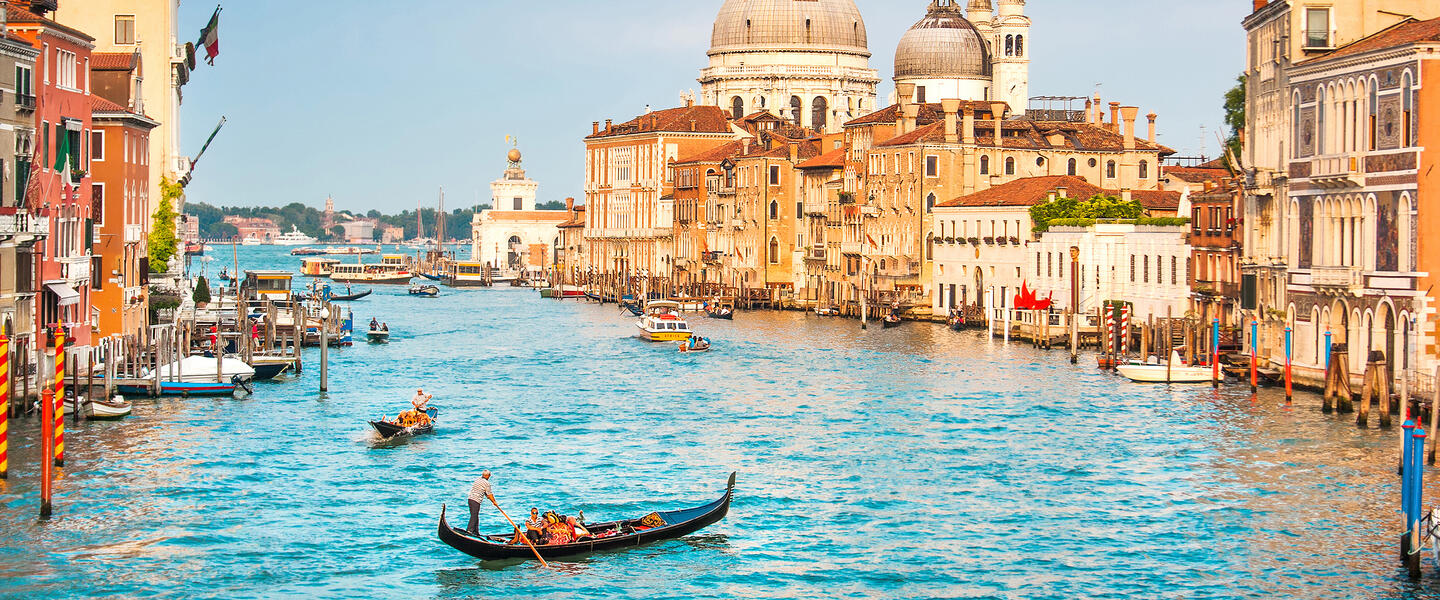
826 25
943 45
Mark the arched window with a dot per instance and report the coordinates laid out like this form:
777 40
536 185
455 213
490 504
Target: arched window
929 202
1010 166
795 107
737 107
1320 121
774 210
1374 112
774 251
1070 167
1019 45
513 257
1144 169
984 165
819 110
929 247
1407 110
1009 45
1110 169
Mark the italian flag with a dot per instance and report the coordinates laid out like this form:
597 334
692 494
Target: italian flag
62 159
210 38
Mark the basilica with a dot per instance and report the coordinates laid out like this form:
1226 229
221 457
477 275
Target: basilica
809 60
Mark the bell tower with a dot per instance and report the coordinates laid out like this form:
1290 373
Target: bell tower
1012 55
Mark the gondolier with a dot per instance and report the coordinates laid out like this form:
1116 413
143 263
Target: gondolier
480 491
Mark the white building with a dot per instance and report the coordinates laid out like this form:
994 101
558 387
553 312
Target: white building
979 247
945 55
805 61
1142 264
512 236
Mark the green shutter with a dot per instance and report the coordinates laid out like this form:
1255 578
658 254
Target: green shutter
45 143
89 236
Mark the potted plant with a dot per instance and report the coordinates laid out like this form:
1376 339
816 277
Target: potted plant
1014 240
989 241
974 241
78 174
202 292
1002 240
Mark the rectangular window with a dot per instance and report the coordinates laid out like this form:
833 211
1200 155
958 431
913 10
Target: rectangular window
932 166
1174 262
1159 270
65 68
519 204
97 202
1146 276
124 29
1317 28
1132 268
24 81
774 174
45 144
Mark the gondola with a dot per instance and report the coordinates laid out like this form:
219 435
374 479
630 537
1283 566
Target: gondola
431 277
633 308
609 536
724 313
891 321
391 431
350 297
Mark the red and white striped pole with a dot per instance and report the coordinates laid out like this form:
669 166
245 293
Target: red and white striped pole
59 396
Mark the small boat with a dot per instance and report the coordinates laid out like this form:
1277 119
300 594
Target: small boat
378 336
172 388
427 291
633 308
350 297
269 367
390 431
625 533
827 311
689 346
194 249
722 313
661 324
307 251
891 320
430 277
201 369
251 241
224 275
102 410
1176 372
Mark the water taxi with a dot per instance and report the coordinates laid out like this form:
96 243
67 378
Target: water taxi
661 324
1176 372
368 274
318 267
467 274
251 241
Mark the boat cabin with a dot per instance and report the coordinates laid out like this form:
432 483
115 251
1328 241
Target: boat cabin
318 267
468 273
266 285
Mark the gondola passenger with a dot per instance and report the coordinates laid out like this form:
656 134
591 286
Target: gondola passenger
534 529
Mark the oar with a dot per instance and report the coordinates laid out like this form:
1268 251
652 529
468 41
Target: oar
523 537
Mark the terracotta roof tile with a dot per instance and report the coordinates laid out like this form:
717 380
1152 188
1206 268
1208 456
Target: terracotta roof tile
1034 135
1030 191
98 104
1409 31
114 61
1195 174
833 159
1154 199
17 15
705 119
723 151
929 113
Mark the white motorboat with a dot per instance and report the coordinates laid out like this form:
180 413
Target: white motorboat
1175 372
201 369
251 241
293 238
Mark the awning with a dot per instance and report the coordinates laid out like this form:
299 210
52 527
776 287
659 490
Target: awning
64 292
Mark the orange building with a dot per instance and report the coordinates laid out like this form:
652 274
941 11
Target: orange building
120 188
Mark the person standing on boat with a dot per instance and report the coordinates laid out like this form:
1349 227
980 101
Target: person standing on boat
480 491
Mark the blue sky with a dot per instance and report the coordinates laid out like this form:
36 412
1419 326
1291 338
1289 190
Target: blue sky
381 102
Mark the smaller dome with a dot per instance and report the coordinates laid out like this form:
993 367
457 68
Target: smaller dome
514 155
943 45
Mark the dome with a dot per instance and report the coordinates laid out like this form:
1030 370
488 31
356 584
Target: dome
827 25
943 45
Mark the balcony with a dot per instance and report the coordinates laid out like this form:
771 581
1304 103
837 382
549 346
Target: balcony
22 223
1216 289
851 248
75 268
25 102
1334 172
712 257
134 233
1342 278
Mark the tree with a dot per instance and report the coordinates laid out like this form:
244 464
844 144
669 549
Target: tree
163 243
202 291
1235 118
338 232
222 231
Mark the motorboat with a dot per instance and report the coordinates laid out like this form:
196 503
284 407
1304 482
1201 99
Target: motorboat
269 366
251 241
102 410
318 267
827 311
424 291
293 238
201 369
468 274
378 336
661 323
307 251
363 273
1156 372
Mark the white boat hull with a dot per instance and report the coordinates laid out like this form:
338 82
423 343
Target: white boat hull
1159 374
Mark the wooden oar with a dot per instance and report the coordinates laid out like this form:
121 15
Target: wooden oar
523 537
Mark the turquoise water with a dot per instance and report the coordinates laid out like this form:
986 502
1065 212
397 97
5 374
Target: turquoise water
904 463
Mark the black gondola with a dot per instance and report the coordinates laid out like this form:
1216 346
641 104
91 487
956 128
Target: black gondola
431 277
424 291
349 297
633 308
724 313
677 523
891 320
391 431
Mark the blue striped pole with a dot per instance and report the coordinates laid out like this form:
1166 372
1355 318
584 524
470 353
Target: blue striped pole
1412 554
1215 353
1289 386
1327 353
1407 464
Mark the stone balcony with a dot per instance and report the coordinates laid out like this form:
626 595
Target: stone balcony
134 233
1341 278
1343 171
21 223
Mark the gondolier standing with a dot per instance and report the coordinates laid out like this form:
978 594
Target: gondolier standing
480 491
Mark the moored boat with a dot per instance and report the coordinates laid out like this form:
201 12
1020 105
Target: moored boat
362 273
1176 372
653 527
102 410
661 324
172 388
891 320
318 267
827 311
201 369
307 251
350 297
378 336
269 366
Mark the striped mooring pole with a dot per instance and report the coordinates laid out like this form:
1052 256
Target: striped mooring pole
59 396
47 446
1215 354
4 406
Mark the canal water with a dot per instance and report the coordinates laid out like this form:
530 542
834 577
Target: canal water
904 463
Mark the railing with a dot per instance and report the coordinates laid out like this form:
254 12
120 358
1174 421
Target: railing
850 247
1217 288
24 223
1341 277
74 268
25 101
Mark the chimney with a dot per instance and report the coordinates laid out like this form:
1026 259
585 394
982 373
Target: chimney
996 110
1259 4
794 153
911 113
1062 191
3 21
607 124
745 146
570 205
1125 194
692 125
951 106
689 102
594 127
1129 113
1151 138
1089 112
1099 116
1114 116
904 91
969 125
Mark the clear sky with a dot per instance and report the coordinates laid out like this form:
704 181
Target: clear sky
380 103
